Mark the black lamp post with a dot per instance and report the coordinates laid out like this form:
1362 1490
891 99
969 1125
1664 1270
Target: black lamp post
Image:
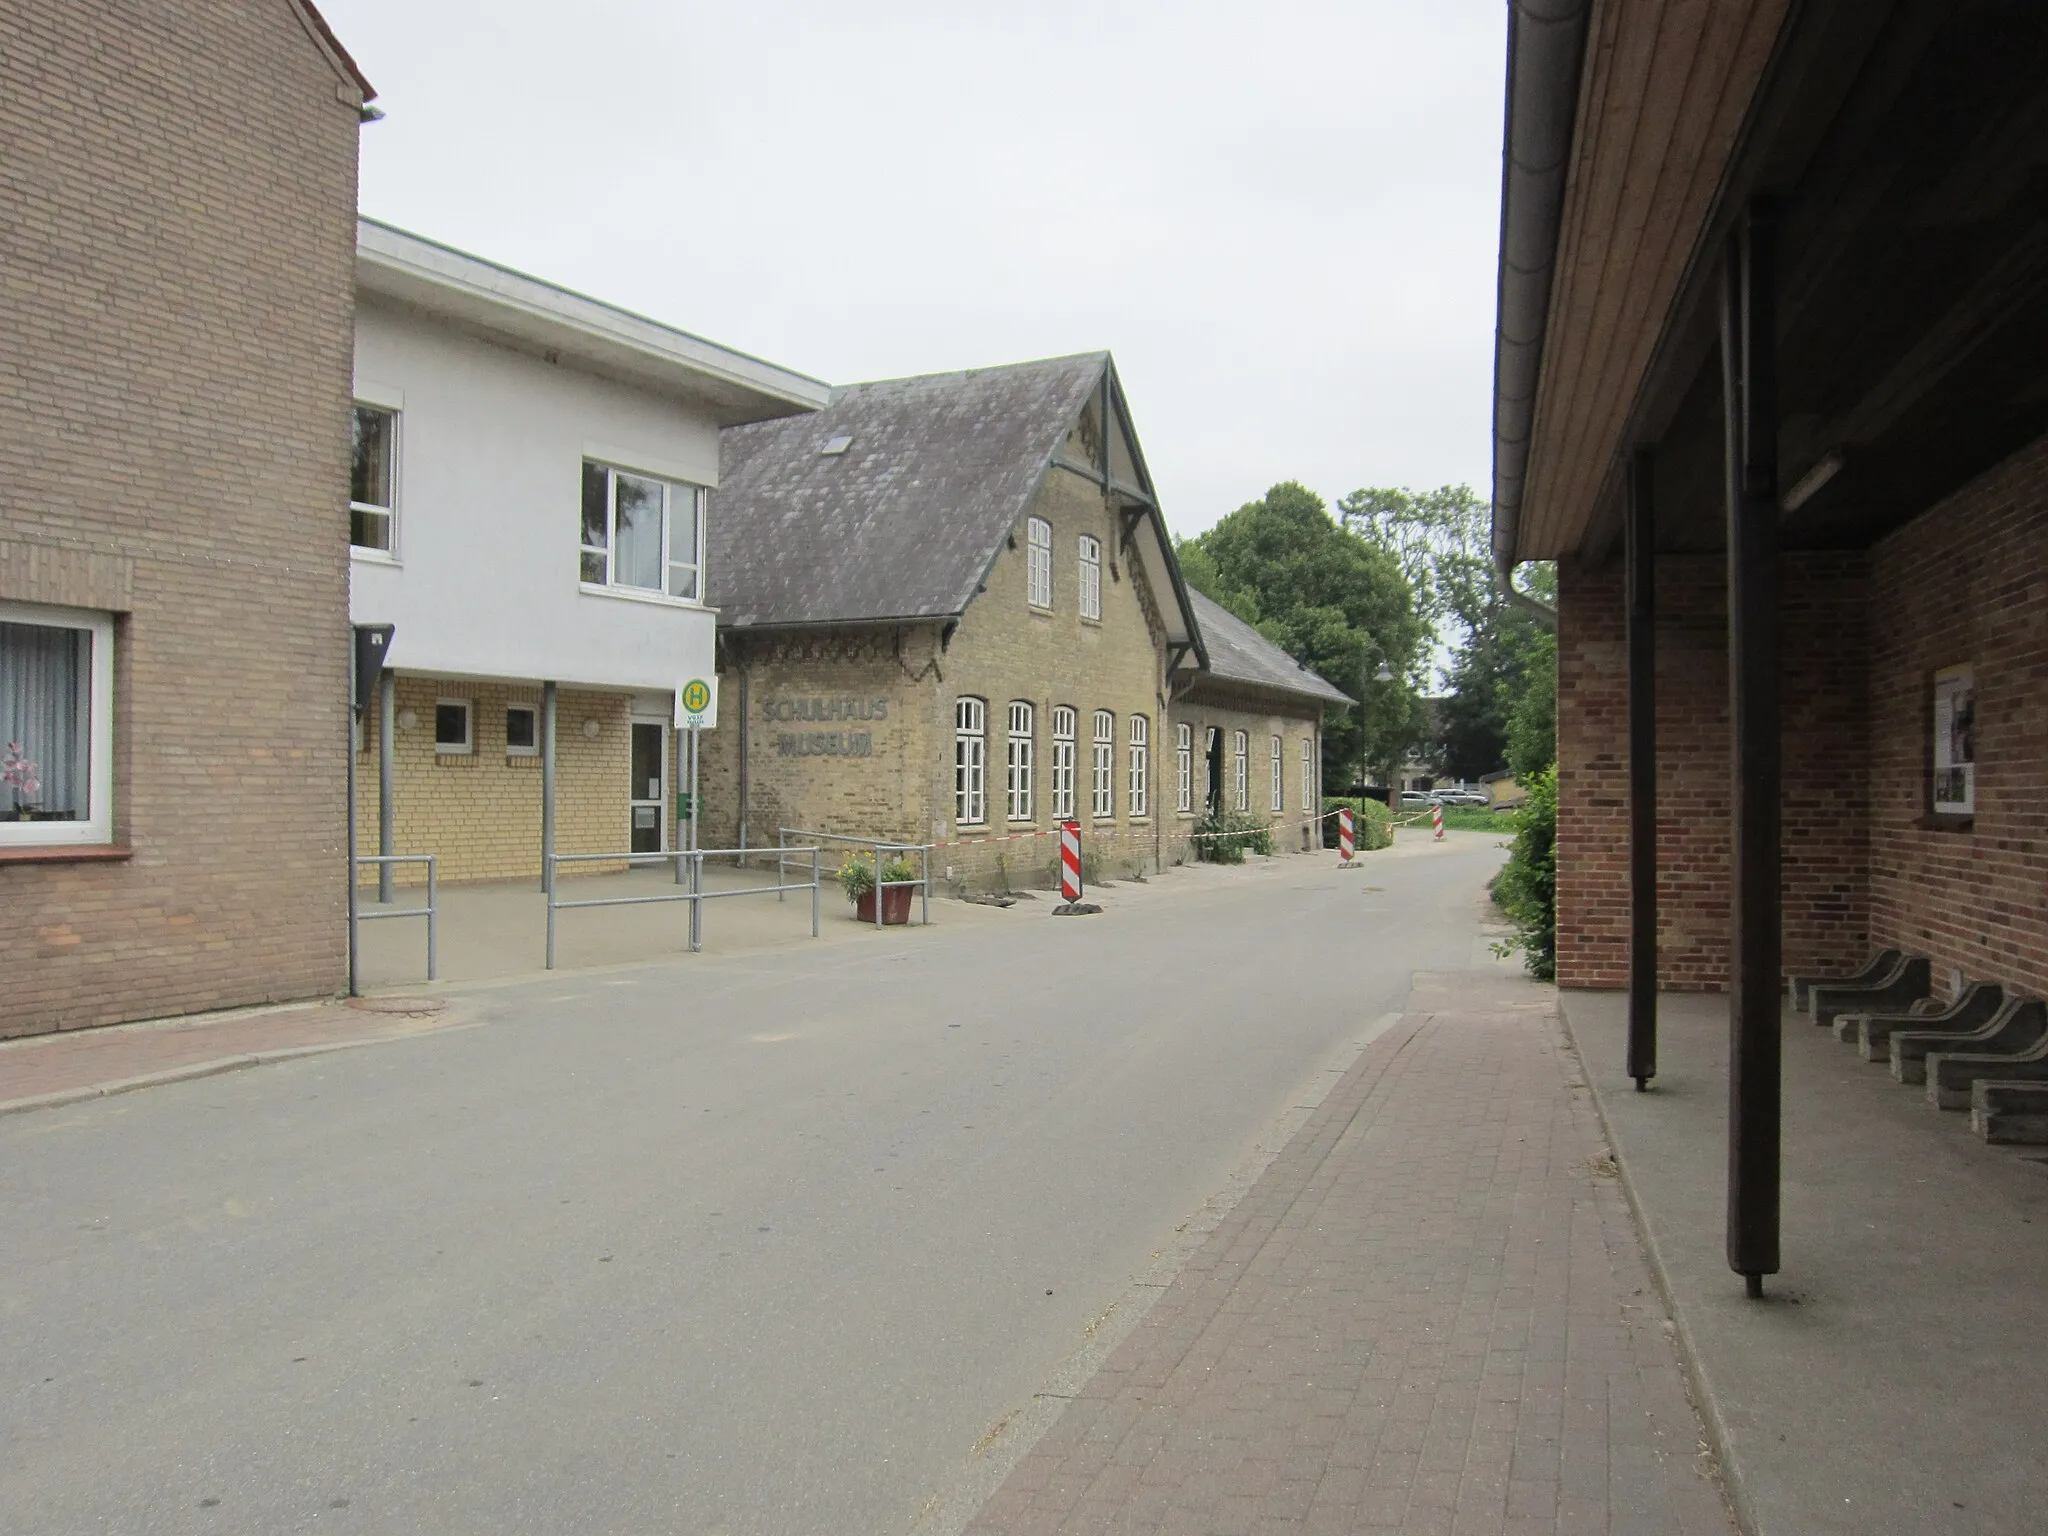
1384 675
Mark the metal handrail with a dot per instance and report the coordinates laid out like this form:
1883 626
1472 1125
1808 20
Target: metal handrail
877 847
429 911
690 858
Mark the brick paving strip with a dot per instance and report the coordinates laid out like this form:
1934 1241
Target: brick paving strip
44 1071
1430 1314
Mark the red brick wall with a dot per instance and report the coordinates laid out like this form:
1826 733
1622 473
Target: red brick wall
1825 742
1966 582
176 298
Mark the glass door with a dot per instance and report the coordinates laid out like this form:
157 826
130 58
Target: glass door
650 779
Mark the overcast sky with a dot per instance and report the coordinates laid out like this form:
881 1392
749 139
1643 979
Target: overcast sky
1281 218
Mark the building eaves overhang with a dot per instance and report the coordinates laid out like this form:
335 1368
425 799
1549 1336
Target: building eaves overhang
560 325
1622 124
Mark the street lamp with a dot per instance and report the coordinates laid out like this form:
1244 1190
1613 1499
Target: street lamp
1384 675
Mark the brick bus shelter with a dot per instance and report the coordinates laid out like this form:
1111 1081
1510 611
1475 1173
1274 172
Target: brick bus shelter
1770 389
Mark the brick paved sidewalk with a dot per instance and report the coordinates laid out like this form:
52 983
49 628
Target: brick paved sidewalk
54 1069
1430 1314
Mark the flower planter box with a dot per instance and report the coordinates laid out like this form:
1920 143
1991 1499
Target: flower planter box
895 905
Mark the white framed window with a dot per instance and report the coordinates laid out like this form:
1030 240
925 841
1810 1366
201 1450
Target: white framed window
1184 768
1103 799
373 478
1038 562
641 533
1141 765
970 762
522 730
1063 722
1017 761
56 726
1279 793
1308 773
1955 742
1091 578
1241 748
451 728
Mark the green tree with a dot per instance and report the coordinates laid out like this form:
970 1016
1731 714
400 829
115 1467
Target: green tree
1330 599
1505 671
1442 539
1532 720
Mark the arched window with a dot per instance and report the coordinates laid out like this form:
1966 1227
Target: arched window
1091 578
1017 762
1184 768
1240 749
1063 721
1038 536
970 761
1141 765
1308 773
1279 797
1104 799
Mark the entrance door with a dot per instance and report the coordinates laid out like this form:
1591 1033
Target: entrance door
650 780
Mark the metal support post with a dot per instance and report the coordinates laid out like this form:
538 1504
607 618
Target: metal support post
696 901
678 783
878 885
547 802
433 919
816 865
1642 768
387 757
349 742
1749 390
547 882
924 889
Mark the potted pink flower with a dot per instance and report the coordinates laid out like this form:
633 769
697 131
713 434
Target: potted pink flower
19 773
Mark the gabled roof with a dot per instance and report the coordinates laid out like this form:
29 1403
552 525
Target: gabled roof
1240 654
893 501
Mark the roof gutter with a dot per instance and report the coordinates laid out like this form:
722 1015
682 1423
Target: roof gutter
1546 48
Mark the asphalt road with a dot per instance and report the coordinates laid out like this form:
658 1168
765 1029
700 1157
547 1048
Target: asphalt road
755 1245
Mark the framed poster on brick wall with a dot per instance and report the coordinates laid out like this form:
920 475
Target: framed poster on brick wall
1955 742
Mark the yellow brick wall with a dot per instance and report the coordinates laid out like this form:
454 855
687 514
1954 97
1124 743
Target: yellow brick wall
836 730
480 813
1261 721
1005 650
853 731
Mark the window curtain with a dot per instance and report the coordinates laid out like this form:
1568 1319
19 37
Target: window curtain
44 673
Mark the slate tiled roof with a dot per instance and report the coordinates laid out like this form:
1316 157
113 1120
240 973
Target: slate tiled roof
903 522
1240 654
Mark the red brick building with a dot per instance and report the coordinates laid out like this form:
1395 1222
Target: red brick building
177 261
1774 281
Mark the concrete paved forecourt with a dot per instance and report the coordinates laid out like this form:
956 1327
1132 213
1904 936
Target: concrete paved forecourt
753 1244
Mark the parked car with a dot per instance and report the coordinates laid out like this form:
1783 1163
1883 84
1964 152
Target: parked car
1415 800
1461 797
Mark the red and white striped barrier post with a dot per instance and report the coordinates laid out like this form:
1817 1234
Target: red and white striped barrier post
1347 836
1070 860
1436 819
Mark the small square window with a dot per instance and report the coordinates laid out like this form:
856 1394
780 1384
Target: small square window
451 726
522 731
